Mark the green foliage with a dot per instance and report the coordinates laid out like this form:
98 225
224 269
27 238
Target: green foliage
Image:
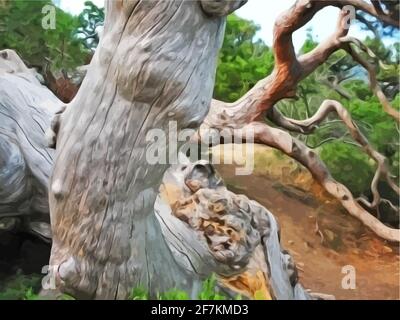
31 295
20 287
309 43
387 63
90 19
382 130
242 60
348 165
139 293
52 48
26 287
208 292
173 294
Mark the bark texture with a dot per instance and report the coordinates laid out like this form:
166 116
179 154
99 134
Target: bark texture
113 229
155 63
205 227
25 161
219 231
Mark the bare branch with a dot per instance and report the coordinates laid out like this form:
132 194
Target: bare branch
336 87
283 141
245 114
371 73
289 69
328 106
374 10
313 59
368 24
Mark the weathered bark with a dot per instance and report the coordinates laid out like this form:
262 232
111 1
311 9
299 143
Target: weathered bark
206 228
112 230
219 231
25 161
169 248
155 63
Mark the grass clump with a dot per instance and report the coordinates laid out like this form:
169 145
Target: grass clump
209 292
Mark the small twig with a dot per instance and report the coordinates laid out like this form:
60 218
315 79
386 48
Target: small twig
318 231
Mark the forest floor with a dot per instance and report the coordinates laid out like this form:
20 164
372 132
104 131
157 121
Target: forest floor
321 236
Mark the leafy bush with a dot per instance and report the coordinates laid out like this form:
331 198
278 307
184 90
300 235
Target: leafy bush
52 49
20 287
349 165
208 291
24 287
242 60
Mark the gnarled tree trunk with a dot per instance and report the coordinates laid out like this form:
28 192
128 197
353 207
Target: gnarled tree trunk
112 230
206 228
155 64
25 160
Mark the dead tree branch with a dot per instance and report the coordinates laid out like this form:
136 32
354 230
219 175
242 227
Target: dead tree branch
247 113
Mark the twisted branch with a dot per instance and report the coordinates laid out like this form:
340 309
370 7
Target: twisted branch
247 113
297 150
308 126
373 82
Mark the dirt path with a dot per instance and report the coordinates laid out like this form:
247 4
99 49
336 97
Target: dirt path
321 255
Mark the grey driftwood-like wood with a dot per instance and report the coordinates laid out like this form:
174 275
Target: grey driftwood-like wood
207 229
155 63
225 233
112 229
25 161
238 239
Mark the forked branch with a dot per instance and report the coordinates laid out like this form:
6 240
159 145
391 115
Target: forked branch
297 150
370 68
247 113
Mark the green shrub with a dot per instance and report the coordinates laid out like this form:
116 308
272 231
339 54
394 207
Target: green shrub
208 292
20 287
349 165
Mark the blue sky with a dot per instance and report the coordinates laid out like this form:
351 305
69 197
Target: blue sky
264 13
